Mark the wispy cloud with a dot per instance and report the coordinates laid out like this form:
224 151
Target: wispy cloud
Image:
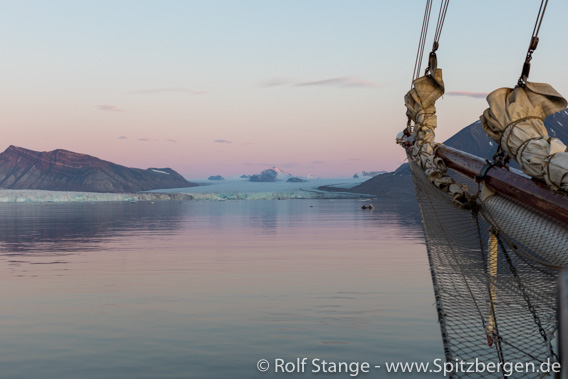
156 91
476 95
109 108
222 141
318 162
143 139
339 82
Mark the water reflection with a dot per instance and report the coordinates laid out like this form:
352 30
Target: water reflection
58 229
206 289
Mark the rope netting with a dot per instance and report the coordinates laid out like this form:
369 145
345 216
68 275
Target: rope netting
495 288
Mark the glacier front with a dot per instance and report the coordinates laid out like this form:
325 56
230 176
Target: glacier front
220 191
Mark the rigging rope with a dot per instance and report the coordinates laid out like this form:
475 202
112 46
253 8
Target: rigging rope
533 44
441 18
423 33
432 59
421 42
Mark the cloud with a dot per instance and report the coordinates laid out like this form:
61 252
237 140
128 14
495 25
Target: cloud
144 139
222 141
354 159
172 140
341 82
156 91
109 108
122 137
318 162
476 95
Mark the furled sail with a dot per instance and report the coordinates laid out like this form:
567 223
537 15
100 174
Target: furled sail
515 120
420 104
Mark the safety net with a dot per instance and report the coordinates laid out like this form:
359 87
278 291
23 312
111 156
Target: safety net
495 296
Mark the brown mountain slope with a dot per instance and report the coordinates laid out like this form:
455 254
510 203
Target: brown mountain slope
62 170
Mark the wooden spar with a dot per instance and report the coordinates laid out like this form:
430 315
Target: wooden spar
524 190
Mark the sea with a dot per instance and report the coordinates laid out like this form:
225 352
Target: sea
214 289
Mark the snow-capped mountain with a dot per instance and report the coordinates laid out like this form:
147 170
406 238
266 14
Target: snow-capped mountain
273 174
281 174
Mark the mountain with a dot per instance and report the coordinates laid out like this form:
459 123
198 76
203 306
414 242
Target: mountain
370 174
273 174
295 179
471 139
281 174
62 170
389 185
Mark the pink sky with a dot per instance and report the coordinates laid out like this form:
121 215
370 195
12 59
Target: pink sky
217 88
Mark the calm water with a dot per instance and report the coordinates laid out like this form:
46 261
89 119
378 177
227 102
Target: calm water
206 289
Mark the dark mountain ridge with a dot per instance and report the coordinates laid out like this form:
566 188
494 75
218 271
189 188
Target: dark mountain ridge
471 139
63 170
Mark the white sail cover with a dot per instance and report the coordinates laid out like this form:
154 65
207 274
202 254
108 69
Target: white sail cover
420 107
515 120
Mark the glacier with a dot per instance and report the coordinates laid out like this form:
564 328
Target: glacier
236 185
42 196
218 191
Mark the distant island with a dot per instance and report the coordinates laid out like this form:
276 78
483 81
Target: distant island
296 180
271 175
62 170
265 176
215 177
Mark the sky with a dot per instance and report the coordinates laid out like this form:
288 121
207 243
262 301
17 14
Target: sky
230 87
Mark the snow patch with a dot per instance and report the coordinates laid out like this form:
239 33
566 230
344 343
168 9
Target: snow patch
160 171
